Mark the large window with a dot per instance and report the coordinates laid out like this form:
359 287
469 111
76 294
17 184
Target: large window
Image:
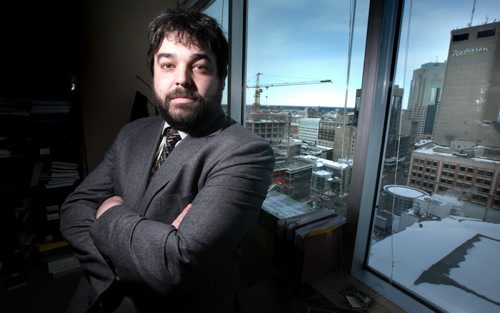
303 67
411 155
436 226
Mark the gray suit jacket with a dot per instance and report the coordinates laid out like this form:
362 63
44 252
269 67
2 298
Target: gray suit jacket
133 258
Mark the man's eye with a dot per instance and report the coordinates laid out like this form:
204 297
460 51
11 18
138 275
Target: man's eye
202 68
166 65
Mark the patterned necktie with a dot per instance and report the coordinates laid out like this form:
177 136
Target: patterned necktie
171 138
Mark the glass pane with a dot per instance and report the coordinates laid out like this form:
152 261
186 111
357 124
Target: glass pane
219 10
301 92
436 229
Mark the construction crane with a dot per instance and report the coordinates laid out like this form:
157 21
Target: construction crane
259 87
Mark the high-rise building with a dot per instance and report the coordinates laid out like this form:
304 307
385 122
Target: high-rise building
330 131
311 113
326 133
398 146
357 106
470 106
465 161
309 130
345 138
425 97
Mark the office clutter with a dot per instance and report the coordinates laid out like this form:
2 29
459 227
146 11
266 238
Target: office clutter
310 242
42 158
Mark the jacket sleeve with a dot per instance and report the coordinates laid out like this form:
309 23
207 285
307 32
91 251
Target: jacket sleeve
226 207
78 215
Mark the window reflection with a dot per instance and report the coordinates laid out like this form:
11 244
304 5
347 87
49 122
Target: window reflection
436 229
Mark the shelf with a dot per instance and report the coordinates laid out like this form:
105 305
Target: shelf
41 161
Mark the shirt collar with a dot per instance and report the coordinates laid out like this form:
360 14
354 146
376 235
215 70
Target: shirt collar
181 133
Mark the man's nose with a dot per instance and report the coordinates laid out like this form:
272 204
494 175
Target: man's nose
183 76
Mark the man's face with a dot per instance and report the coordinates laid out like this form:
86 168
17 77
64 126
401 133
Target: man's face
186 85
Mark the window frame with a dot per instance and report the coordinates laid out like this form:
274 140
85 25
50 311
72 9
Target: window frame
383 33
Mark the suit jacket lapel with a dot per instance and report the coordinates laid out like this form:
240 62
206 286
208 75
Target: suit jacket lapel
141 160
183 152
186 150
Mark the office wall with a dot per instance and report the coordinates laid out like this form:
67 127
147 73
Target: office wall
113 53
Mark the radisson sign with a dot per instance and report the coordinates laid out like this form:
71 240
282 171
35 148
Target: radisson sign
468 51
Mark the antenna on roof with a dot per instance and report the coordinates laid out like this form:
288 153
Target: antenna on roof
472 13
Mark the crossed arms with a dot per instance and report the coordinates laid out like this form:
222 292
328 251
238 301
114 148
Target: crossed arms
117 200
111 239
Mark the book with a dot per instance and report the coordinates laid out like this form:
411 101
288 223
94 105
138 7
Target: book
61 174
50 107
286 227
317 228
49 246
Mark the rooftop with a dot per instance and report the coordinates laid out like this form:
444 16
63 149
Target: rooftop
325 162
452 262
405 191
448 152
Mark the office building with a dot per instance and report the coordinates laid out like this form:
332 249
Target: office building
425 97
309 130
439 169
470 109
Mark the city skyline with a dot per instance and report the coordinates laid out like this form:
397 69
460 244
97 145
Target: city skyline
290 41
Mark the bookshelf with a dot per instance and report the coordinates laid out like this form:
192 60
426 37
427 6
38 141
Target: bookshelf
42 159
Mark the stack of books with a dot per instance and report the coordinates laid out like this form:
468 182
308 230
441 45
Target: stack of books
62 174
59 257
50 107
14 108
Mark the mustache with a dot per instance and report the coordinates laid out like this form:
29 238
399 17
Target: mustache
182 92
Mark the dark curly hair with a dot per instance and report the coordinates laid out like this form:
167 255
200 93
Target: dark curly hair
191 28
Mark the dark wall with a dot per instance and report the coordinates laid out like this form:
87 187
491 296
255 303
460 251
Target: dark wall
41 45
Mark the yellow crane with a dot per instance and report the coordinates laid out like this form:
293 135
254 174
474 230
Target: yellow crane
259 87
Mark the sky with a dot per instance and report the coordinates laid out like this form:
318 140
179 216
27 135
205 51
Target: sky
458 255
292 41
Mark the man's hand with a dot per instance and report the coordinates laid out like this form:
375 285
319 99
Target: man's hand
179 218
108 203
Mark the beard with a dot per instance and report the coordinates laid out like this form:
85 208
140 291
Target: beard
188 116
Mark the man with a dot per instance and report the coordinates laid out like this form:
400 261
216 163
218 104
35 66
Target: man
168 240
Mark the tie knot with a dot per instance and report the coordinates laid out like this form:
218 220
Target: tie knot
171 136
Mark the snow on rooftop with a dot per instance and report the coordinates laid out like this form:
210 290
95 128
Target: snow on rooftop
445 151
331 163
485 160
405 191
322 173
422 142
453 263
325 162
430 150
